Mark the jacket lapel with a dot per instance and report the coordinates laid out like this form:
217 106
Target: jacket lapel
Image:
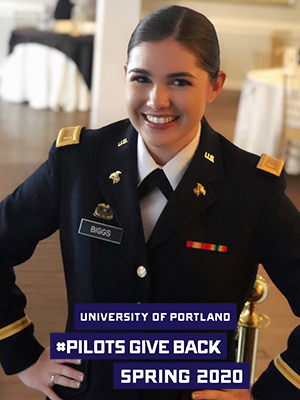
186 203
122 196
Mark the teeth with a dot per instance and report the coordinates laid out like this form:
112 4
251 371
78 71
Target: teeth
159 120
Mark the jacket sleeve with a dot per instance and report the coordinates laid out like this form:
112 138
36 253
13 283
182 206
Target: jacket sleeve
279 242
28 215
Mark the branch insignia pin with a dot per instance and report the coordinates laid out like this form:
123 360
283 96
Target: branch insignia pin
115 176
103 211
199 189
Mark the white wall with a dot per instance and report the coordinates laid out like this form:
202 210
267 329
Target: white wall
242 29
115 21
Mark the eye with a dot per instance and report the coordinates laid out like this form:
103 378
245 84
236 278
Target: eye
181 82
140 79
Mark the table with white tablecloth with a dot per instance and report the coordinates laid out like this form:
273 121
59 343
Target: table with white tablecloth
260 115
48 70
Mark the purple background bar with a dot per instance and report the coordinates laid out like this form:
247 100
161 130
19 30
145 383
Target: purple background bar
192 377
136 322
90 337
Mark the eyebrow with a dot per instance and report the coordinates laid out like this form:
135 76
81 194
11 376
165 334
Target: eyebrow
173 75
140 71
181 74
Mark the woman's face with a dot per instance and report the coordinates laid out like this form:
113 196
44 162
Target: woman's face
166 96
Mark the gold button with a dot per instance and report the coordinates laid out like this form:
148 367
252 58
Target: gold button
141 271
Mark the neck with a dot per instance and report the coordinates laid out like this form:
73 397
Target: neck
162 155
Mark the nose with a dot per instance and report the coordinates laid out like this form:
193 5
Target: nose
158 97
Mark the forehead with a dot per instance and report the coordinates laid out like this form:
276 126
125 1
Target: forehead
167 55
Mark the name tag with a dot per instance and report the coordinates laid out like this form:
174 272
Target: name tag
100 231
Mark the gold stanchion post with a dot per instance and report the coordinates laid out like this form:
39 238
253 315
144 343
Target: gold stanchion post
249 324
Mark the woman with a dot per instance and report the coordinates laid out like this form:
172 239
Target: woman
215 193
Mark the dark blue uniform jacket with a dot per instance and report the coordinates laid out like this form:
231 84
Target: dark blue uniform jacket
244 208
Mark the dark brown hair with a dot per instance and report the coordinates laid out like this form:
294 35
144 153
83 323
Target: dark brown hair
187 27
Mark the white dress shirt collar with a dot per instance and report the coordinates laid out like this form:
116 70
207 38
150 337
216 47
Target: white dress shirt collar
174 169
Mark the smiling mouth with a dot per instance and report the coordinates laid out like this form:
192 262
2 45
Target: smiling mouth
159 120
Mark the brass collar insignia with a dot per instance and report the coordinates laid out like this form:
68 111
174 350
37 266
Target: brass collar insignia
103 211
124 141
115 176
209 157
199 189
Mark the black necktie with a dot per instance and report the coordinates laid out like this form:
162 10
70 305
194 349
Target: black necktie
157 178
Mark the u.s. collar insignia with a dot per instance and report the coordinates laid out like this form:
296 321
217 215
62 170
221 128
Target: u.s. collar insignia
103 211
209 157
124 141
115 176
199 189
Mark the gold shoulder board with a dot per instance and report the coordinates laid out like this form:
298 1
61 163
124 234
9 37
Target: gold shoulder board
270 164
68 136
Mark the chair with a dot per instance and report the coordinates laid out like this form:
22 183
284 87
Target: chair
289 143
279 41
262 60
27 19
63 9
274 57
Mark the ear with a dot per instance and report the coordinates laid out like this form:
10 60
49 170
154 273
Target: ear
216 86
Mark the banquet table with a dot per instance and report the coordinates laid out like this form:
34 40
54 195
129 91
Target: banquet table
260 115
48 70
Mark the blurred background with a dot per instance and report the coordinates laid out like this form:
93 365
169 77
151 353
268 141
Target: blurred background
61 64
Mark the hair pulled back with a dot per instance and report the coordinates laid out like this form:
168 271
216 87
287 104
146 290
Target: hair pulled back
187 27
